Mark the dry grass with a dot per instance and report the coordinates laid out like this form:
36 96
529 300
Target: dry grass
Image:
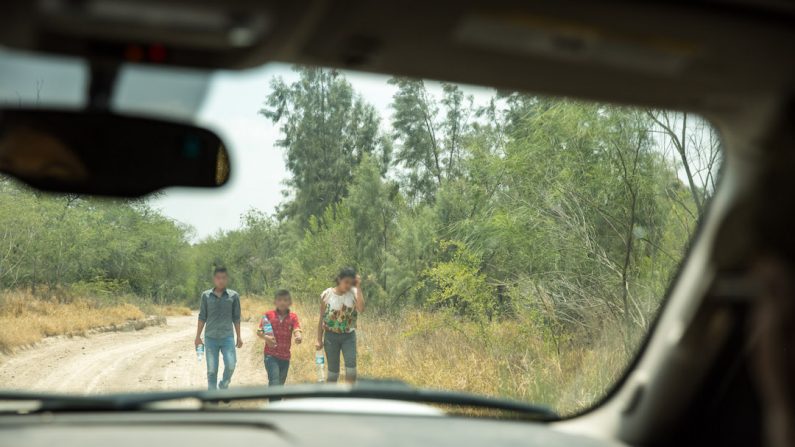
252 307
171 310
26 319
506 359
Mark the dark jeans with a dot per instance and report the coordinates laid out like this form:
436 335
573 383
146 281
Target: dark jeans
334 344
226 347
277 372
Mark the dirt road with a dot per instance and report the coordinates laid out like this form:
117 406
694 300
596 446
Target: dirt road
154 358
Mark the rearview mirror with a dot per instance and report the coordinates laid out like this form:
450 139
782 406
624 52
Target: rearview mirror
100 153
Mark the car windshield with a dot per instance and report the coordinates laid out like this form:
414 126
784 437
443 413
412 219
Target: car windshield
447 236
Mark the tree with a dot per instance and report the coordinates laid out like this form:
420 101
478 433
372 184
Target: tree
429 147
326 130
315 260
697 147
373 206
455 282
628 147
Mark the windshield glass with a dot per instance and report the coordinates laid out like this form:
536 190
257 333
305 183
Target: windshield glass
448 236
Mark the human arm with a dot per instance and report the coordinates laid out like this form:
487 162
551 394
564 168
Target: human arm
359 305
237 332
236 320
270 340
202 319
319 342
297 332
198 340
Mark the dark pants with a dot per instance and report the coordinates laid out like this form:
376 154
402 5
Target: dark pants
334 344
277 371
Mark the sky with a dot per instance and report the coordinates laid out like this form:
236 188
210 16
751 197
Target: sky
231 109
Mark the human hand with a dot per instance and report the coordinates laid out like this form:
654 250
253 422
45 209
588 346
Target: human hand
239 343
298 339
358 280
198 341
318 345
270 340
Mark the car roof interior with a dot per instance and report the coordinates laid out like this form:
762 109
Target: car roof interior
730 61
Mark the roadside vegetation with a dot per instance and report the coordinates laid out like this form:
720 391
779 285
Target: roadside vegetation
520 247
437 350
25 319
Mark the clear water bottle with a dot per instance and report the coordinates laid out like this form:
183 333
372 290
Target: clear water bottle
320 363
200 352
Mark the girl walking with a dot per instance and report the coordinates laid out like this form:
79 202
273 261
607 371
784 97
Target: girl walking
339 308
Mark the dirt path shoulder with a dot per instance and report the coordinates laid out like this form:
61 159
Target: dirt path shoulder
154 358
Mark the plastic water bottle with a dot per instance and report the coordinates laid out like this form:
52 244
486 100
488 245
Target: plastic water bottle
267 327
200 352
320 362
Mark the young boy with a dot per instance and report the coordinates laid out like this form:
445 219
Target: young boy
219 314
277 343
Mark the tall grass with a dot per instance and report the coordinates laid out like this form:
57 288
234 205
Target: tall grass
436 350
26 319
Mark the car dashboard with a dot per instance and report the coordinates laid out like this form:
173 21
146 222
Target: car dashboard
275 428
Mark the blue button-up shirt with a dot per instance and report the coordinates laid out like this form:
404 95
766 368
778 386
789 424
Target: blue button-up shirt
219 313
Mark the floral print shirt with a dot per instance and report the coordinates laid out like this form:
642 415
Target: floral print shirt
340 314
